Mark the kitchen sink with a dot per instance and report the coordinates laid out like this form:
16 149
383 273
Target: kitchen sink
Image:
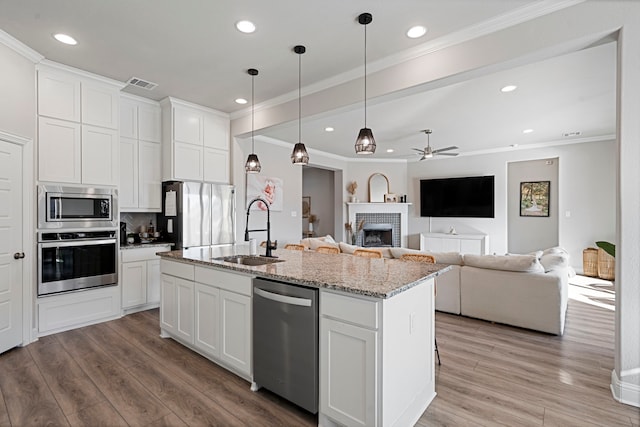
248 259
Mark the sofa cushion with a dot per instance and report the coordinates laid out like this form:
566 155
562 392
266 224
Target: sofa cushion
554 261
452 258
347 248
555 250
520 263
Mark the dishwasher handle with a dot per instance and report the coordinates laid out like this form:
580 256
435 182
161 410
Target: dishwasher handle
304 302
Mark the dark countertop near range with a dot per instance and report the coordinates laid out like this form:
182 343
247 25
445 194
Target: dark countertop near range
380 278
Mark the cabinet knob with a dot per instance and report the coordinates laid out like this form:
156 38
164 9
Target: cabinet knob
18 255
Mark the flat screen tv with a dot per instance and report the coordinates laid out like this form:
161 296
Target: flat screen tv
468 197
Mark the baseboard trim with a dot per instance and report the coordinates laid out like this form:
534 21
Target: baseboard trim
626 393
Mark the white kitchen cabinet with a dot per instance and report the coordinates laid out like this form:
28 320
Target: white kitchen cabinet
195 142
235 336
100 155
476 244
58 95
78 120
140 278
134 283
128 188
140 155
59 150
207 334
177 299
100 104
376 357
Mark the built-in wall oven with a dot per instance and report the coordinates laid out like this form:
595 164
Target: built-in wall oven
61 207
69 261
77 238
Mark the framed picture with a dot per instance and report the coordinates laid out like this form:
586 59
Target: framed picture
390 198
306 206
534 198
266 187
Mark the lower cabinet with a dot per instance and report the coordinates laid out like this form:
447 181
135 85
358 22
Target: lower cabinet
140 278
210 311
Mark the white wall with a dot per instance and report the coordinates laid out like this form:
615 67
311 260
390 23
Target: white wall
361 170
528 234
18 94
318 184
586 188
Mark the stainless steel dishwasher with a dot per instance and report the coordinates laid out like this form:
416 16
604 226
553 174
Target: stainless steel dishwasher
285 341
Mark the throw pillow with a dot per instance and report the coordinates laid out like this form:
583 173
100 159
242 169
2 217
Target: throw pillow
554 261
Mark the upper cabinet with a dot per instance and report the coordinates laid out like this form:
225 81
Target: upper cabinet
195 142
140 155
78 120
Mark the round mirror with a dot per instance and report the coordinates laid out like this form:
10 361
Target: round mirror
378 187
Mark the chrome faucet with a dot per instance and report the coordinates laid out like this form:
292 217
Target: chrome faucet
268 229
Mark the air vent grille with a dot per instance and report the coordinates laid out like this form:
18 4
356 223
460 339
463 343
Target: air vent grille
135 81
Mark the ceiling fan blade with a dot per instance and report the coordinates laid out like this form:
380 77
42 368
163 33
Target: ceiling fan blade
418 149
446 154
439 150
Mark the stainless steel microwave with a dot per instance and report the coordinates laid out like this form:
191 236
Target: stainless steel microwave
61 207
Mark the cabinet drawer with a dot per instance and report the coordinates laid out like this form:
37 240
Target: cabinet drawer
233 282
349 309
178 269
142 254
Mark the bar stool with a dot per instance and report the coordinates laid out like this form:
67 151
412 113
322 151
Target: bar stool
294 247
327 250
368 253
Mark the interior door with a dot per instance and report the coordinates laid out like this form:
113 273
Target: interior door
10 246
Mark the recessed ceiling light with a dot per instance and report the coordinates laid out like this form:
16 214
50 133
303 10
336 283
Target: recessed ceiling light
245 26
241 101
390 150
509 88
527 131
328 129
66 39
416 32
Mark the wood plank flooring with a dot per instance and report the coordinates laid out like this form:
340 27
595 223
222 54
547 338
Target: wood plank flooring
122 373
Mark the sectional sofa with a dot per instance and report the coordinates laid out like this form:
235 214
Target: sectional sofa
528 291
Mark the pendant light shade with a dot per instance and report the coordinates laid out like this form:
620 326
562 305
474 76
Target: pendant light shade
365 143
299 156
253 164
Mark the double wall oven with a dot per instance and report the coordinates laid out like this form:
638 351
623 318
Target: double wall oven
77 238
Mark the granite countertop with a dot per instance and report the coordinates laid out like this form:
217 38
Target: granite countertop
145 245
380 278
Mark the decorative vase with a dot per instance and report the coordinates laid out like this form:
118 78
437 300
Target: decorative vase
311 227
353 199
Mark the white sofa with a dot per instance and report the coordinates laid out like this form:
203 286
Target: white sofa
528 291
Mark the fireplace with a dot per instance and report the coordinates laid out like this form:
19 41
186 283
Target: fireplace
377 234
395 214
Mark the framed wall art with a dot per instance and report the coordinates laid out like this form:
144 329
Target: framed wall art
306 206
266 187
534 198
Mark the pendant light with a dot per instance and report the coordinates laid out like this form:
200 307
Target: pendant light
366 143
299 156
253 164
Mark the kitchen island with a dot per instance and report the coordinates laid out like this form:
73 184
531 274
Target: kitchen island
376 325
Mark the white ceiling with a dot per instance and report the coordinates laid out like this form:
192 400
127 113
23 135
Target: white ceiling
192 50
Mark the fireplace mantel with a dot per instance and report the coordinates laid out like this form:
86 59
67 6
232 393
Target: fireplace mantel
401 208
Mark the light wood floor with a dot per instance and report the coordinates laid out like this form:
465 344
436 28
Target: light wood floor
123 373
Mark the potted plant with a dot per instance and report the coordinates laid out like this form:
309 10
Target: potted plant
606 260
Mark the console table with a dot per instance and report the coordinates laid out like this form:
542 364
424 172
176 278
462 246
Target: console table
477 244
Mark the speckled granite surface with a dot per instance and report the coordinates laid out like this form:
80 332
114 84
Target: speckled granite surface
145 245
381 278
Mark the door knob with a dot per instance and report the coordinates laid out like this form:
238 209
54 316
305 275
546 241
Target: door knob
18 255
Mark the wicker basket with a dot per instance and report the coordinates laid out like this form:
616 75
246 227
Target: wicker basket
590 262
606 265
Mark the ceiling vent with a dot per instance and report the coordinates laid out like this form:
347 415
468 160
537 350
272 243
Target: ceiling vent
570 134
134 81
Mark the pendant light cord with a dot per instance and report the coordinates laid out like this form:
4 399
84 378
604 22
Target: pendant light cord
365 75
300 98
253 148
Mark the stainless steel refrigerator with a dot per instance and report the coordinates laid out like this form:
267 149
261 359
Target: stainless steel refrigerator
197 214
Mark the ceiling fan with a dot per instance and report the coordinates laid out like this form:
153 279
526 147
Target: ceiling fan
428 152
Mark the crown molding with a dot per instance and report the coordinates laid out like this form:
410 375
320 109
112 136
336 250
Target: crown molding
14 139
20 47
46 63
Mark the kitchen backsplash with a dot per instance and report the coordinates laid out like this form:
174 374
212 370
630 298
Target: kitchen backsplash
136 219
